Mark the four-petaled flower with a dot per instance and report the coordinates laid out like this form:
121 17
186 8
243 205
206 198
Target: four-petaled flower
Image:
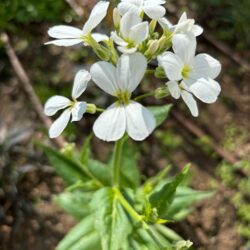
74 108
152 8
184 25
196 73
124 115
67 36
132 33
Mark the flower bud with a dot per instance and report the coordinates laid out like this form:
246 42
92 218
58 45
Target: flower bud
164 44
154 47
159 72
161 92
116 18
91 108
152 26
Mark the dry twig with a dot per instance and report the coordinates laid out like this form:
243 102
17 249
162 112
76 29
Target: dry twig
196 131
234 56
27 85
75 6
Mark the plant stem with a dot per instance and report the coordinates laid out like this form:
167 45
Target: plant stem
138 98
150 72
129 208
100 110
117 162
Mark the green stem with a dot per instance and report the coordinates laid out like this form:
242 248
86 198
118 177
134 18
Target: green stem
150 72
129 208
100 110
138 98
117 162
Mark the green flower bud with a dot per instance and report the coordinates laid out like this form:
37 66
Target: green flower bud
152 26
153 46
164 44
161 92
91 108
159 72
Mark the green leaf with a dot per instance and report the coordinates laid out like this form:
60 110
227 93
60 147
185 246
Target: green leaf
79 233
90 241
163 198
100 170
160 113
130 175
111 219
86 150
69 170
184 199
75 203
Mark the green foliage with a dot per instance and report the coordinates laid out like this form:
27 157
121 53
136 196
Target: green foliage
237 177
162 199
119 218
230 19
26 11
161 113
129 170
111 222
82 236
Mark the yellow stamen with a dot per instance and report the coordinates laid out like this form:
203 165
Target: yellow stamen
186 71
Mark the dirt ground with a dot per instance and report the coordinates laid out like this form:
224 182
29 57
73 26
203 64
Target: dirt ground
28 218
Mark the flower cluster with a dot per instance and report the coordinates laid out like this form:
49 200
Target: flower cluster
142 37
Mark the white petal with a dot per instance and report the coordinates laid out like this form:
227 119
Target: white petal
184 26
197 30
154 2
55 103
65 42
204 66
78 110
129 20
111 124
126 7
104 75
59 124
207 90
80 83
165 23
155 11
130 71
64 32
140 121
97 15
118 40
125 50
174 89
190 102
139 33
183 18
184 45
172 65
100 37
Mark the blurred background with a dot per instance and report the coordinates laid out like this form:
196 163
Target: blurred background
217 143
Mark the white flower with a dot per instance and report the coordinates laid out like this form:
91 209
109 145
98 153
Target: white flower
196 73
184 25
67 35
124 115
152 8
73 108
132 32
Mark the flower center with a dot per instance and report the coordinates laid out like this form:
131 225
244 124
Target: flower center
123 97
186 71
